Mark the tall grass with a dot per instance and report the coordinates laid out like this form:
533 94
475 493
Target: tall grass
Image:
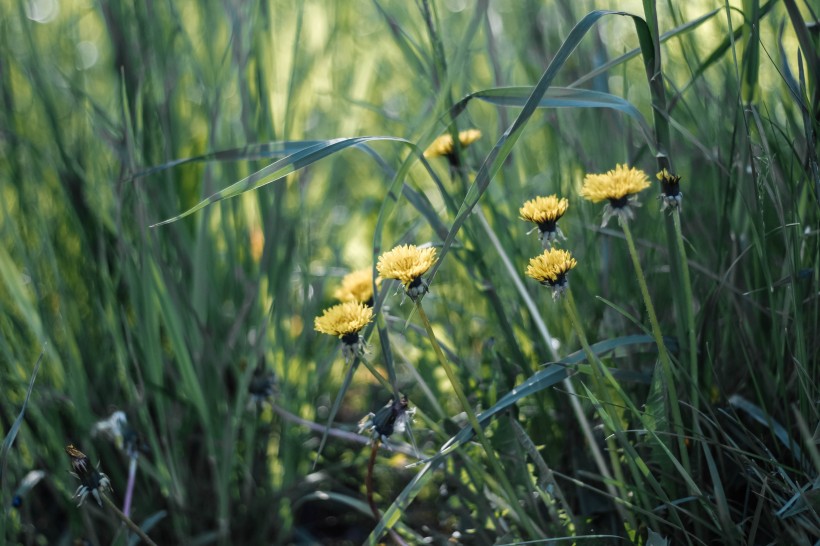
295 131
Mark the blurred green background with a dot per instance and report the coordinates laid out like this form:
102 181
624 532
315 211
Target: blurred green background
101 101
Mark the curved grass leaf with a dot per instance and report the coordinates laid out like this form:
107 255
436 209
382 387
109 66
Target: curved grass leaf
562 97
278 170
265 150
760 415
689 25
15 427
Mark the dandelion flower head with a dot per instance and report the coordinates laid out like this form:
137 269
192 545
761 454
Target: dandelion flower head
356 286
344 319
406 263
443 145
545 212
616 184
551 267
620 186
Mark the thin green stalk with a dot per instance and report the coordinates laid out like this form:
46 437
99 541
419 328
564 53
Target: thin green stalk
471 417
630 453
375 373
598 378
666 362
694 396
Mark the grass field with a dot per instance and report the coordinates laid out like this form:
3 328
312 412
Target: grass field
184 185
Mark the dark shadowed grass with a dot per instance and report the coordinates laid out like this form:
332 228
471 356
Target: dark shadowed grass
307 122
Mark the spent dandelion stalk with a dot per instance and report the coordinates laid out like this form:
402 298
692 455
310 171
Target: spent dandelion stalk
672 199
95 483
393 418
380 426
123 435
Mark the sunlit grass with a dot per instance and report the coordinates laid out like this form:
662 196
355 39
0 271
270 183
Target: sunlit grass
201 329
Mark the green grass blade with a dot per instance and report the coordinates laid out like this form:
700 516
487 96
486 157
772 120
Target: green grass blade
278 170
15 428
562 97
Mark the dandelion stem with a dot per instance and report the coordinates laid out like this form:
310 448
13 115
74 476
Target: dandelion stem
598 376
379 377
690 315
129 488
471 417
666 362
127 521
368 484
368 480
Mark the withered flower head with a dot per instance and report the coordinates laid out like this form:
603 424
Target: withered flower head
671 197
91 480
393 417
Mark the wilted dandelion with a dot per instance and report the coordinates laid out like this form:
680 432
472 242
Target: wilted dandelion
671 197
344 321
117 429
443 146
357 286
551 268
545 213
407 263
92 481
262 386
392 418
620 187
380 426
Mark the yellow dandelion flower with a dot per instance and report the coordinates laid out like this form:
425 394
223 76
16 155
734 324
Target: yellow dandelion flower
443 145
257 243
545 212
671 197
551 268
356 286
620 186
344 321
407 263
